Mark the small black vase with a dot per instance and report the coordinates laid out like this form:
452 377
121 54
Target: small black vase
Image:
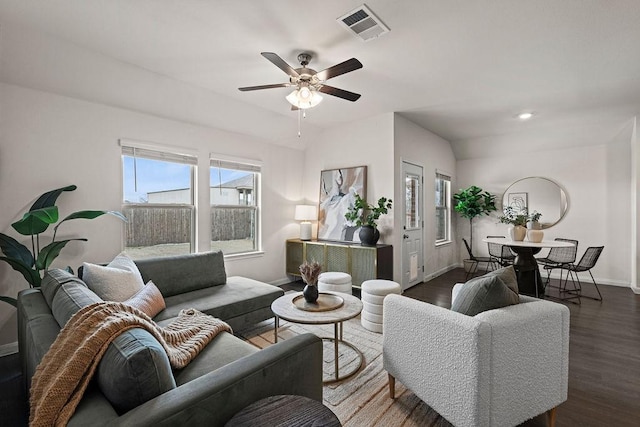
369 235
310 293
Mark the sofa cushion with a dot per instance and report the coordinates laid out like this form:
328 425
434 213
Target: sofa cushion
71 297
134 369
183 273
483 293
53 280
118 281
222 350
236 298
149 300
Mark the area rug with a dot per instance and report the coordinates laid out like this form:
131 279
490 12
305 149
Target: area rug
362 399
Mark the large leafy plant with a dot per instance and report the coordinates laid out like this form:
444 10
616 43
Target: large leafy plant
473 202
33 262
362 213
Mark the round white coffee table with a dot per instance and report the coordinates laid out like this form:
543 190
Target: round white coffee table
285 308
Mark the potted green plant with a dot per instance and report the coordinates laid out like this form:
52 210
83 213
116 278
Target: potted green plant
365 216
517 219
32 263
473 202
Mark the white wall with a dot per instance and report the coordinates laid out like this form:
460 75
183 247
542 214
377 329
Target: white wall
423 148
368 142
597 182
48 141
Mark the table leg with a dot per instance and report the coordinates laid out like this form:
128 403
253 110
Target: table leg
529 281
275 329
341 329
335 348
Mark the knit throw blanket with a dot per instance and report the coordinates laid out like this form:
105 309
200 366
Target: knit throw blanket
66 369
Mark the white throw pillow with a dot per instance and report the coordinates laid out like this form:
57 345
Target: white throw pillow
118 281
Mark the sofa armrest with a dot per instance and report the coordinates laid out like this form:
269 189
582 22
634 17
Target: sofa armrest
422 342
293 366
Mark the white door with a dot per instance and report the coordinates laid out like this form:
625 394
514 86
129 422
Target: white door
412 247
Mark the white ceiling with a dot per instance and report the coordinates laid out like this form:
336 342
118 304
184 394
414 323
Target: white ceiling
460 68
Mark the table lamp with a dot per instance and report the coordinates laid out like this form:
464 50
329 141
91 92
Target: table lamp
306 213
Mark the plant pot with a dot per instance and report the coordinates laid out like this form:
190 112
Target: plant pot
469 265
517 233
369 235
535 236
310 293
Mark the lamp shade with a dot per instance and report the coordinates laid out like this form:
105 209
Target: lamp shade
306 213
304 98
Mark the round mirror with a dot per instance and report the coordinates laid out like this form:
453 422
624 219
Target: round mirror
536 194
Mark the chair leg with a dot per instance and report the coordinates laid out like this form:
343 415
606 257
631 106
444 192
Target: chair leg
597 289
551 417
392 386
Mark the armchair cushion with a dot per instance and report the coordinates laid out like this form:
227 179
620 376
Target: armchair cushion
484 293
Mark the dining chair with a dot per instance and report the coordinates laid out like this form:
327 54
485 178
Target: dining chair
557 257
500 254
586 263
488 261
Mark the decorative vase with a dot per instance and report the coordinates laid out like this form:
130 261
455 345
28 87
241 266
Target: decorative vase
369 235
535 236
517 233
310 293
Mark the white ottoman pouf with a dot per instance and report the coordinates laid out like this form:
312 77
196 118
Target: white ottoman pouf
373 293
333 281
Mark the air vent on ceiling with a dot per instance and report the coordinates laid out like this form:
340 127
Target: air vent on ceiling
363 23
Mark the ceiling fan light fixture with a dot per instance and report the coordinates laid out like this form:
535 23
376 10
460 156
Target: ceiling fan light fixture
304 98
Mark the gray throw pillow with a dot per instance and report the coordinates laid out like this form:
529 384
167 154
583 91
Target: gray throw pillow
508 276
484 293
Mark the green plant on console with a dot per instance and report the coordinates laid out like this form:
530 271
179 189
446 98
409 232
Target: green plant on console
473 202
43 213
362 213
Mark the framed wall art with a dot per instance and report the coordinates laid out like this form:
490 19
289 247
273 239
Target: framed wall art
338 188
518 201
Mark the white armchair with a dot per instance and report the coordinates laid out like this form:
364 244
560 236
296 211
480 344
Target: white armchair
498 368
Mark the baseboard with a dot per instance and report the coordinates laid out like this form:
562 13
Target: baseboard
585 278
282 281
7 349
636 290
440 272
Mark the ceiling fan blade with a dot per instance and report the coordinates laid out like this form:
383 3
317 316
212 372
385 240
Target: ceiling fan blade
340 93
342 68
280 63
245 89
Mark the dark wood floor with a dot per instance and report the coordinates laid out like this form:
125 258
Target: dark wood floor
604 358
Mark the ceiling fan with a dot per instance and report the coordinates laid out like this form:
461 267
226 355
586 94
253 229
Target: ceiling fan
308 82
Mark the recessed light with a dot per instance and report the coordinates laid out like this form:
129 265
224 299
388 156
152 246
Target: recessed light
525 116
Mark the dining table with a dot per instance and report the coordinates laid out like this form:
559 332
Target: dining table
525 264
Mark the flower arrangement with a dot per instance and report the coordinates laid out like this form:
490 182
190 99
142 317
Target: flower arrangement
310 272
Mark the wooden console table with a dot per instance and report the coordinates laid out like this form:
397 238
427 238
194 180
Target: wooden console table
361 262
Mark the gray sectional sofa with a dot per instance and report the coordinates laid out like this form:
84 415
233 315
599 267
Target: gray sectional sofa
135 385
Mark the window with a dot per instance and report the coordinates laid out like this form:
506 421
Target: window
235 207
443 209
158 202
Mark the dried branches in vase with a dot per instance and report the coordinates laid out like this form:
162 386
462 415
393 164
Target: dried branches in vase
310 272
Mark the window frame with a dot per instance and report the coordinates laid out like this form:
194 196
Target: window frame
446 178
222 161
143 150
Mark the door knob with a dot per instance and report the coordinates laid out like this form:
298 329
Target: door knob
406 236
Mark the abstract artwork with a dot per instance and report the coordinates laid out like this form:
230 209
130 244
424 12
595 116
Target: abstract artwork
518 201
338 188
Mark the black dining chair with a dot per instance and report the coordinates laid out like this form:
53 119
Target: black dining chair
500 254
586 263
477 260
557 257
